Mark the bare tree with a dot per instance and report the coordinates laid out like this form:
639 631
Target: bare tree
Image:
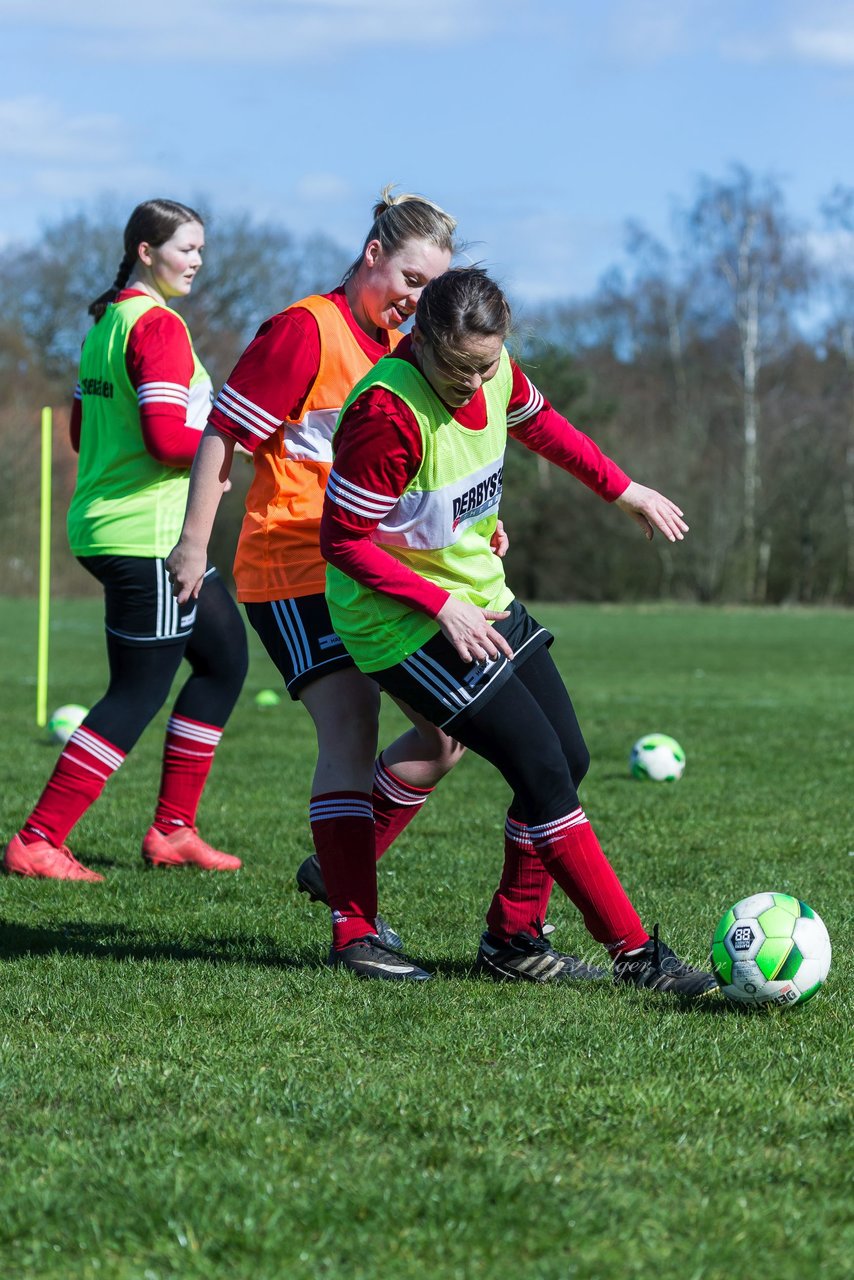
838 212
743 238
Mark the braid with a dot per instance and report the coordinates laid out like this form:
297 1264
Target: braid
99 306
125 268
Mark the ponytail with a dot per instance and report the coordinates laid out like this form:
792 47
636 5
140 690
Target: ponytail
399 219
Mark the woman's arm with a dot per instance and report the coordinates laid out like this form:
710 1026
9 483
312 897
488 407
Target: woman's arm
652 510
188 559
534 423
160 366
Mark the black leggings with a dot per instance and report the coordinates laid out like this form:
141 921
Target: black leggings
141 676
530 732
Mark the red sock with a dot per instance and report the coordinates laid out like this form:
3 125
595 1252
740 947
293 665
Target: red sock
78 778
395 804
187 758
342 824
571 852
522 897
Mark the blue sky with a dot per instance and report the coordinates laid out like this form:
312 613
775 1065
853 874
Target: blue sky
542 126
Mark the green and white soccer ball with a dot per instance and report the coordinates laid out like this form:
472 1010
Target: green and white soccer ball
657 757
771 949
65 720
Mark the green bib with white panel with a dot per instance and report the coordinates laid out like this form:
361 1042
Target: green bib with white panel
125 501
441 525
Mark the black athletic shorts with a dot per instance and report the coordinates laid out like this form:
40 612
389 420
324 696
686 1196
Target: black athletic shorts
300 638
138 600
436 682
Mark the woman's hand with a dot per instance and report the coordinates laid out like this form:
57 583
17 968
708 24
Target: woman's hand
467 627
186 565
499 540
653 511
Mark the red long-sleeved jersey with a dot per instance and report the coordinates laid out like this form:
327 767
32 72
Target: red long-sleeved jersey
378 450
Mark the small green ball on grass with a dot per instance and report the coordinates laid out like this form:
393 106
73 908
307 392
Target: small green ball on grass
267 698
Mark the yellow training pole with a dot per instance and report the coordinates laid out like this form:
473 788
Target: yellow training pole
44 569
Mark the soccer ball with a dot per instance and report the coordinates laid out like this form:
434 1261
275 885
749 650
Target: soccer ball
657 757
65 720
770 949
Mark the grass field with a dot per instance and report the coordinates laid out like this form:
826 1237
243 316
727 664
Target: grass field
187 1092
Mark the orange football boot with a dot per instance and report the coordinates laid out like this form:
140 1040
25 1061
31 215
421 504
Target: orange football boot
184 847
45 861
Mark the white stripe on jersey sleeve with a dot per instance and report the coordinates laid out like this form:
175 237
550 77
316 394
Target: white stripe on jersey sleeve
361 502
163 393
528 410
78 394
251 417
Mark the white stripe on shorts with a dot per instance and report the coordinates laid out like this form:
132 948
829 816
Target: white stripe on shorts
293 633
440 683
445 687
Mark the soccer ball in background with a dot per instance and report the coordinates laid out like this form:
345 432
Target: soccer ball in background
657 757
65 720
770 949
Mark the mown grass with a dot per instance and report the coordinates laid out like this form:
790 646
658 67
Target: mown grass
188 1092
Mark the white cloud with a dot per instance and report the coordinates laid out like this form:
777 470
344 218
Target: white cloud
318 188
817 34
766 31
38 129
652 30
831 44
49 154
281 31
551 255
831 247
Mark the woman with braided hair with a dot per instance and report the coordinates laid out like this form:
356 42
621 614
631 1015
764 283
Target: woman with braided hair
141 405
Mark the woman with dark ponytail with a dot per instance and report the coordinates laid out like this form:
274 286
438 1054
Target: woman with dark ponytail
141 405
423 607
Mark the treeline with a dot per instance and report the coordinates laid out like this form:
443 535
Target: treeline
718 367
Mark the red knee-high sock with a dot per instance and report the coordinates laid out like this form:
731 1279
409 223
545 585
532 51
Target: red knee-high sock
342 824
78 778
187 758
395 804
522 897
571 852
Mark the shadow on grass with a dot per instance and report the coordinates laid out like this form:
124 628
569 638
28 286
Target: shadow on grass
116 942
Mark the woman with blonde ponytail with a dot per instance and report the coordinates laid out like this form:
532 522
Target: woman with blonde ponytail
142 402
282 403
